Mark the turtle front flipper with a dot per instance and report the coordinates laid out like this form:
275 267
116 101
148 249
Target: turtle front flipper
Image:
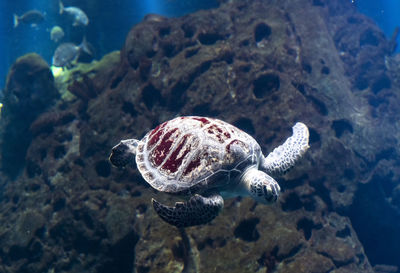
286 155
197 211
124 152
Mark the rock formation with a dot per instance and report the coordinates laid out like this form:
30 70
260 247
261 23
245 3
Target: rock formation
262 66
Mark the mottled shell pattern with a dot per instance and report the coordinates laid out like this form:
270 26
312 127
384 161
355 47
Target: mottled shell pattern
194 154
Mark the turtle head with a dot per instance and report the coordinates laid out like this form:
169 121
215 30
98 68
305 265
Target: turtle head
123 153
260 186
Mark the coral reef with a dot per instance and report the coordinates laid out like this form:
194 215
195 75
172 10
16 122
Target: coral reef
260 65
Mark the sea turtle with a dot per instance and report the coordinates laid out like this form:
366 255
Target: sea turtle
207 160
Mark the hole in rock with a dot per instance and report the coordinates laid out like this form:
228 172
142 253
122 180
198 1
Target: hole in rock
42 154
340 126
59 204
389 153
143 269
292 202
246 125
141 208
319 3
300 87
325 70
150 54
314 136
40 232
265 84
207 242
79 162
261 31
59 152
343 233
136 194
188 30
382 82
349 174
103 168
369 37
127 107
341 188
245 68
191 52
15 199
115 82
32 169
318 105
361 83
209 38
169 50
354 20
151 96
307 67
164 31
35 250
17 252
247 231
204 110
306 225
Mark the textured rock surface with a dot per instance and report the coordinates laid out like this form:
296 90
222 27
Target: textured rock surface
261 66
29 91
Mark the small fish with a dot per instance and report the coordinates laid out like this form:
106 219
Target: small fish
152 17
56 34
79 16
32 17
68 53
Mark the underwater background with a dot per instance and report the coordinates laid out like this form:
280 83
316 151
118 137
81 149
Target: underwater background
259 65
110 21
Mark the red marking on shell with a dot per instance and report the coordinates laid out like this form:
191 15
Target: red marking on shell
192 165
173 162
155 135
219 133
161 151
203 121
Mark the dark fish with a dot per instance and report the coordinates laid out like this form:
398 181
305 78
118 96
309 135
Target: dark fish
32 17
78 16
68 53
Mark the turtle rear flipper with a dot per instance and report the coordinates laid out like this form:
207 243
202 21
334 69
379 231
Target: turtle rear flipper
282 158
124 152
197 211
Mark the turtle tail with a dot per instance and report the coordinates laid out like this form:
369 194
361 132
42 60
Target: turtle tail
123 153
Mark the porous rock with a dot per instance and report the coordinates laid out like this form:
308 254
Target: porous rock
262 66
29 91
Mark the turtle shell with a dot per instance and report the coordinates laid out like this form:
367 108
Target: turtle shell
194 154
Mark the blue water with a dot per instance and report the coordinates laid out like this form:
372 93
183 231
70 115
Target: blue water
113 19
110 21
386 13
